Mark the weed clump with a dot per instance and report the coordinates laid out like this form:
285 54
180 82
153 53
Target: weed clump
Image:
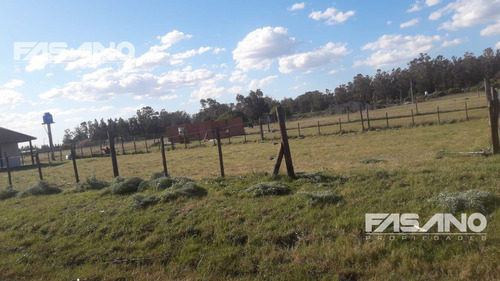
143 201
124 186
183 189
322 198
269 188
473 199
41 188
8 192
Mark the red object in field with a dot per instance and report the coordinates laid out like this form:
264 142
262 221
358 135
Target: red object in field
205 130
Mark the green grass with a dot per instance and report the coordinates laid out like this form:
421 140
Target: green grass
228 234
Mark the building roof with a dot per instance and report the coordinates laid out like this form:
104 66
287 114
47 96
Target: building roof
8 136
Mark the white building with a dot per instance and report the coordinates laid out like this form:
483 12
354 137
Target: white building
8 147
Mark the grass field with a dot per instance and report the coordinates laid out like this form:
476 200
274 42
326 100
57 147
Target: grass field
231 235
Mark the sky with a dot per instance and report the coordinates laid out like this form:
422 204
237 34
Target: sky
86 60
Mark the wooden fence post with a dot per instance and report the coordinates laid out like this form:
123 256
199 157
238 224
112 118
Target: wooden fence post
340 125
39 166
8 168
466 112
146 142
91 152
135 147
298 128
75 168
386 120
319 131
493 112
60 154
284 147
219 148
123 146
439 116
81 151
348 118
412 118
31 153
163 156
114 162
416 106
368 118
361 115
261 131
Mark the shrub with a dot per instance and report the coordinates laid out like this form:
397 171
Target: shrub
142 201
41 188
322 198
183 189
473 199
8 192
125 186
269 188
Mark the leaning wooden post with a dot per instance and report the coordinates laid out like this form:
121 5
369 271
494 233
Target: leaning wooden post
114 162
219 147
123 146
39 166
75 168
493 110
439 116
361 115
466 112
386 120
163 156
284 147
8 168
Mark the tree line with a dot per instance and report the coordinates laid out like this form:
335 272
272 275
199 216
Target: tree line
424 76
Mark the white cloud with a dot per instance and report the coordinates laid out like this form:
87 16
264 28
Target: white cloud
332 72
261 46
238 76
490 30
327 54
191 53
147 61
219 50
415 7
497 46
9 97
169 97
14 83
297 6
452 43
467 13
331 16
409 23
172 38
393 49
389 22
49 74
431 3
259 84
39 62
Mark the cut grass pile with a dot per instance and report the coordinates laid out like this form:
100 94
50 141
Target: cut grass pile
40 188
8 192
475 200
274 188
322 198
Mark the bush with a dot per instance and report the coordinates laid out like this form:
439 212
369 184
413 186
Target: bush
41 188
125 186
8 192
322 198
142 201
473 199
183 189
269 188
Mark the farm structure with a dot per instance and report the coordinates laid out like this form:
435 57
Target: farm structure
205 130
8 147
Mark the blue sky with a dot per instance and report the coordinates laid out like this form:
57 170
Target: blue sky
85 60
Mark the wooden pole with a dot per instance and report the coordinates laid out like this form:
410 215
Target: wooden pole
386 120
416 107
466 112
493 111
219 147
114 162
8 169
319 131
412 118
81 151
39 166
75 168
261 131
279 159
298 128
285 147
31 153
146 142
123 146
340 125
361 115
135 147
348 119
439 116
163 156
368 117
60 153
244 137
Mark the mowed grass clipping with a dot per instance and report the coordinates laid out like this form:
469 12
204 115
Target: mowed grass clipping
313 231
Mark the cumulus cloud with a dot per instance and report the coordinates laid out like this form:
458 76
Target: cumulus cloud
409 23
219 50
331 16
327 54
393 49
431 3
452 43
490 30
14 83
259 84
260 47
172 38
238 76
467 13
415 7
297 6
9 96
